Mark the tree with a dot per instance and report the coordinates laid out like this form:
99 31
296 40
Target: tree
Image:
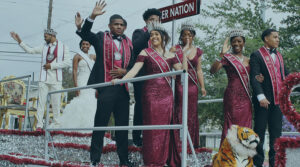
290 30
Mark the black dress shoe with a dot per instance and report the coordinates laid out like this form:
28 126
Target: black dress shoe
127 163
94 163
138 142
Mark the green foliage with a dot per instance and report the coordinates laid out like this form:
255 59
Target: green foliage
246 15
290 31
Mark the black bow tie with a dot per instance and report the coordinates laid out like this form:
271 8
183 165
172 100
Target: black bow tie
119 38
273 51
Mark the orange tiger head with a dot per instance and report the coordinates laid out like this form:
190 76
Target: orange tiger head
247 137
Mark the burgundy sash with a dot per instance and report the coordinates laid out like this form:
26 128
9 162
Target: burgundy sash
272 71
108 54
241 70
162 64
191 69
54 53
145 29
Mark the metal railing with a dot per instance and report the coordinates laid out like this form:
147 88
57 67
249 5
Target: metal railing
182 127
26 119
216 135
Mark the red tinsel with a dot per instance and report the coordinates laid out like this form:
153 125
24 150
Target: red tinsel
281 145
286 105
70 145
197 150
291 115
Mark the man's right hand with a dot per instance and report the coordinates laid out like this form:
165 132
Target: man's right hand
264 103
16 37
98 9
78 21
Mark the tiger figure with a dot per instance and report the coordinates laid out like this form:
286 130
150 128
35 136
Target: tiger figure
237 149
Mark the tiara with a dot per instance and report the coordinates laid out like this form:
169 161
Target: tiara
187 26
156 26
236 33
50 31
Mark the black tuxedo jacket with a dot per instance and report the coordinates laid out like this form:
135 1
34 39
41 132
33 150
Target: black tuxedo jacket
258 66
97 73
139 41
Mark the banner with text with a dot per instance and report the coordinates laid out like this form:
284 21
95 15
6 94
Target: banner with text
180 10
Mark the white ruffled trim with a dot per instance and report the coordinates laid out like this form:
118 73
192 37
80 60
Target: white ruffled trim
237 147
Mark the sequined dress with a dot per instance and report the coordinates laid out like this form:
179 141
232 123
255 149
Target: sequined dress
193 121
157 102
237 106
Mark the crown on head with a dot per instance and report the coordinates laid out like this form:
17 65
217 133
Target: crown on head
236 33
156 26
50 31
187 26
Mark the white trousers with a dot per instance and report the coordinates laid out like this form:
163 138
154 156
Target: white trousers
44 88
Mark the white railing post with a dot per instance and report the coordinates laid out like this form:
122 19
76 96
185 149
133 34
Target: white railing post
26 118
47 133
184 76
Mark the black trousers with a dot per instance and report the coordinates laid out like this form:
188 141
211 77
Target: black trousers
138 113
263 117
113 99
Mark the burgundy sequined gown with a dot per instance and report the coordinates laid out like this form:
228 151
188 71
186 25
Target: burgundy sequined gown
193 121
158 145
237 105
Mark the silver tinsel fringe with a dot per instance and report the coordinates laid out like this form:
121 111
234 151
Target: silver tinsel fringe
34 146
292 157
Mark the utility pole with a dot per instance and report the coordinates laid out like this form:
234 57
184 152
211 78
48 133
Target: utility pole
173 27
49 14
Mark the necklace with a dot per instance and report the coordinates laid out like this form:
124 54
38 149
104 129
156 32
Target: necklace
241 59
161 54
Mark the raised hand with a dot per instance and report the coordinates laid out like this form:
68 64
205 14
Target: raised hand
78 21
98 9
226 47
187 48
16 37
187 45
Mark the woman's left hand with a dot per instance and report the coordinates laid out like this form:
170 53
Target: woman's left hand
114 81
203 92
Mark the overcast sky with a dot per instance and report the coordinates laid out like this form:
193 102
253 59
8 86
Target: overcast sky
29 18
